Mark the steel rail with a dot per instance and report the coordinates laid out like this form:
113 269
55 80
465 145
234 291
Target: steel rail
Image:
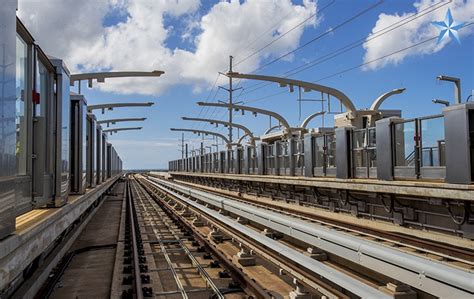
136 263
306 277
249 283
342 279
429 276
182 291
194 262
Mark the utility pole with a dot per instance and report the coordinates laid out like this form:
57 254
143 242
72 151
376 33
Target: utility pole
230 99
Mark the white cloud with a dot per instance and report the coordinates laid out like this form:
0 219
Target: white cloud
73 30
413 32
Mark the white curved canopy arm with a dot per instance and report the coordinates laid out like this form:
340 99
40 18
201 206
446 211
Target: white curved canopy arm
115 130
378 101
116 120
110 106
204 132
309 118
102 75
271 129
225 123
275 115
350 107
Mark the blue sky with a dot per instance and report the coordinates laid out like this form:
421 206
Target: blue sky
414 69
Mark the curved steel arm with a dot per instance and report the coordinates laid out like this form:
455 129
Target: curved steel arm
116 120
115 130
226 123
252 109
306 85
309 118
204 132
378 101
271 129
101 76
110 106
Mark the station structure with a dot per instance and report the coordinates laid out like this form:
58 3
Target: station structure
376 206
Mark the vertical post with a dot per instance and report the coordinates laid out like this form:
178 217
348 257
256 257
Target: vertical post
230 99
182 145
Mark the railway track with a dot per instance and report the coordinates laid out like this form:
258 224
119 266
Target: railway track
446 253
172 262
432 253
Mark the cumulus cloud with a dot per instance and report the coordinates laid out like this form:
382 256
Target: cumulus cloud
74 31
413 32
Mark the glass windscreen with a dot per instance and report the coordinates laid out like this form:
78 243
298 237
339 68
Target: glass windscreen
21 107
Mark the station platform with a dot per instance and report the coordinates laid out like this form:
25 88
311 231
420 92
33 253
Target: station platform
429 189
38 230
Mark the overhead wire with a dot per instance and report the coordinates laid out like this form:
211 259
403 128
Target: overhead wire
352 45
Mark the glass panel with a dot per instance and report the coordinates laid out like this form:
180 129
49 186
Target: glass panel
358 139
404 139
331 150
21 107
284 157
42 88
319 151
432 142
372 147
299 153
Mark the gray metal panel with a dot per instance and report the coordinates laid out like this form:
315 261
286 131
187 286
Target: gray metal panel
8 166
260 159
62 124
456 132
343 150
77 146
246 163
104 157
291 153
383 131
276 153
237 158
91 150
98 154
308 155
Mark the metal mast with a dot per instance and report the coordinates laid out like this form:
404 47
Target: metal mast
230 99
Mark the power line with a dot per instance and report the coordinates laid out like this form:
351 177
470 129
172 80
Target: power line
284 34
363 64
354 44
321 35
385 56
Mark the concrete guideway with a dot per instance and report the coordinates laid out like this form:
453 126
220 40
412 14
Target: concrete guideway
344 280
431 277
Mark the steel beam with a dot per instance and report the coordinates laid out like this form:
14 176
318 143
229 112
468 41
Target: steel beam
308 86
